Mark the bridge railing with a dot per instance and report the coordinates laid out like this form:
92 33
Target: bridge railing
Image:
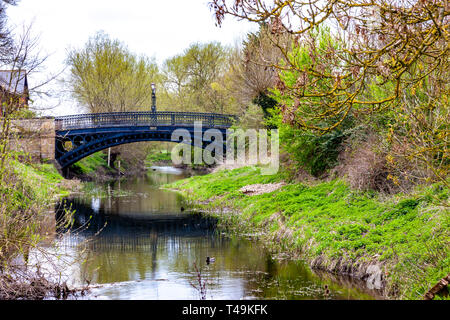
94 120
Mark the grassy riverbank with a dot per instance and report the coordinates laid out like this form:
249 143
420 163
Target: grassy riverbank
43 182
158 157
93 167
335 228
27 197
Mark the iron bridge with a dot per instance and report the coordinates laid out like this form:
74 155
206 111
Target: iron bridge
78 136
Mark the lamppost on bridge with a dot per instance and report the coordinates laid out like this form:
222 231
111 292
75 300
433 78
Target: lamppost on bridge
153 97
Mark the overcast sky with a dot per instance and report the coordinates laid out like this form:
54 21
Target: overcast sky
155 28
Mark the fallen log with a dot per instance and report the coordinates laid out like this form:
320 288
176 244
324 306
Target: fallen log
440 287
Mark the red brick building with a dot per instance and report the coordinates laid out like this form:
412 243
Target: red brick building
13 89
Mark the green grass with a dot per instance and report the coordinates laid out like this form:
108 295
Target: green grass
157 156
407 234
91 163
41 180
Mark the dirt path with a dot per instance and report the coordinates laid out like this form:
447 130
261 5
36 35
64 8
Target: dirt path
255 189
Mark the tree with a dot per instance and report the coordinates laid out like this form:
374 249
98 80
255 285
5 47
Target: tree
106 77
175 79
253 71
389 55
190 77
21 60
5 34
384 41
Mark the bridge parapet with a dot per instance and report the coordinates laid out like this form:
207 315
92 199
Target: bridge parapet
171 118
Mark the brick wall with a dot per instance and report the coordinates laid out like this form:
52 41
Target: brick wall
35 137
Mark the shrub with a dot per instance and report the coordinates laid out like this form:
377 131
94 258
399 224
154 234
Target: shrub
310 151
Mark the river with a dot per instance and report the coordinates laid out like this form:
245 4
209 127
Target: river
132 240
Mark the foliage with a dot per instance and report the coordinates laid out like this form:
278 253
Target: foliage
252 118
159 156
382 42
6 40
315 153
312 151
105 76
383 57
90 164
26 191
252 70
420 134
193 78
24 113
265 102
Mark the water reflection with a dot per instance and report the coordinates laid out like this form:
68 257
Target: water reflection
144 247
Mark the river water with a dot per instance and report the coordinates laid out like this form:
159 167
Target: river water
133 240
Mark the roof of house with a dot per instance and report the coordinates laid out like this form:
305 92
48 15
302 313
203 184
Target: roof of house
14 81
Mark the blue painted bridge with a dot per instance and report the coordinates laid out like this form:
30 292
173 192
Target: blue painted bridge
78 136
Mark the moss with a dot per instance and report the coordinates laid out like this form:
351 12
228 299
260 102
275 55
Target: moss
331 219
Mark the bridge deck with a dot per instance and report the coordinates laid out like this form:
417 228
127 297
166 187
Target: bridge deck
118 119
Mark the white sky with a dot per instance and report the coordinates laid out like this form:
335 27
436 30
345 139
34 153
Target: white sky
155 28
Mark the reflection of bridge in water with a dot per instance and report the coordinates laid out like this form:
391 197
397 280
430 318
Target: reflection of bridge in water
78 136
118 231
122 246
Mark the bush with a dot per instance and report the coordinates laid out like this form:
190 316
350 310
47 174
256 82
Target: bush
310 151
